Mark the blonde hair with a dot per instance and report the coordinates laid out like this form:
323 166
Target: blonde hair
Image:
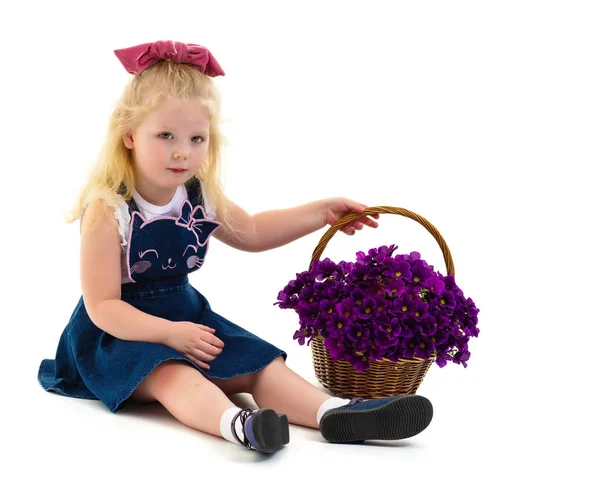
112 173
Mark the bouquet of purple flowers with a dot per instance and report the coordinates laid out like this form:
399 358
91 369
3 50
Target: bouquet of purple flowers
382 306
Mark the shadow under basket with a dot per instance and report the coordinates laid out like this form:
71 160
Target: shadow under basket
384 378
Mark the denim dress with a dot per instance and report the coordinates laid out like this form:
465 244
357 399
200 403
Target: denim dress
161 252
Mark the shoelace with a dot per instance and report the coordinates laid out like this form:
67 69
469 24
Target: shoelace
243 414
353 401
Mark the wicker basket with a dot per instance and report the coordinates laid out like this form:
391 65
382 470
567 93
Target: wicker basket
384 378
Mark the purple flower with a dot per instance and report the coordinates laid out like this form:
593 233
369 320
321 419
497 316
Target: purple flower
300 335
358 333
327 308
420 273
427 326
367 309
360 272
421 311
346 309
393 328
358 296
447 300
325 268
337 325
403 304
384 339
334 291
395 287
360 362
382 306
334 346
397 268
436 285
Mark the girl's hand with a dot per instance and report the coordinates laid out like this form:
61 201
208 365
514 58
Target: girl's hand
335 208
195 341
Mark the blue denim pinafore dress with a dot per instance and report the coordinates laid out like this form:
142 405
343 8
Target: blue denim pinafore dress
92 364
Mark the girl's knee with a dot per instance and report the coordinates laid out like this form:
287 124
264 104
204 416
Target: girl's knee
146 391
170 373
276 365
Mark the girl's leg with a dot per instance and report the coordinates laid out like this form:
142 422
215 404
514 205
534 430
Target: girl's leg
279 388
200 404
187 394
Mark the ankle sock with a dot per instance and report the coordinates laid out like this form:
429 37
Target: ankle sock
226 419
330 403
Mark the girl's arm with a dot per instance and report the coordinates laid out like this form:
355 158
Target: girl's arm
271 229
101 281
275 228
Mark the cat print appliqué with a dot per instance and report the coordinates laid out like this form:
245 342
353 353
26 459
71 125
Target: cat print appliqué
168 246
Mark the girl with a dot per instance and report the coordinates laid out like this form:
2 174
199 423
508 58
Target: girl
140 331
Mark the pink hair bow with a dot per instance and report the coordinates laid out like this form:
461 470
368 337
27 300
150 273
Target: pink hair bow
137 58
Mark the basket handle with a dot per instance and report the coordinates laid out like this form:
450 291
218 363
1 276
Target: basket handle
349 217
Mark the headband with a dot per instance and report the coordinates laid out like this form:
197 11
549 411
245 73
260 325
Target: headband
137 58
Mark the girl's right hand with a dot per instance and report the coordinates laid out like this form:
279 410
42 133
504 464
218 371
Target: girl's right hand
195 341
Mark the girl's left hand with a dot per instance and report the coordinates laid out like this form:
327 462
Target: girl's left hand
335 208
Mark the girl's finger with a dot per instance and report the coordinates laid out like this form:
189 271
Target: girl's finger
374 215
208 348
216 342
206 328
202 364
210 338
202 355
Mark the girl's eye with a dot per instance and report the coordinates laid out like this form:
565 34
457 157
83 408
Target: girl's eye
195 139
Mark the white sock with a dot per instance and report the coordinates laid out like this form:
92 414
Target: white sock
226 419
330 403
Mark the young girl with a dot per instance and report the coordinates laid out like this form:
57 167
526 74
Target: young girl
140 331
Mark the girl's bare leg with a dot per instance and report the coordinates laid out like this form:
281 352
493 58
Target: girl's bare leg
187 394
279 388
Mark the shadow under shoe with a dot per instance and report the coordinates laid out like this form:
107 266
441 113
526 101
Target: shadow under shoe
264 430
392 418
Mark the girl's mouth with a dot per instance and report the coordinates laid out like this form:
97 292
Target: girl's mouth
177 170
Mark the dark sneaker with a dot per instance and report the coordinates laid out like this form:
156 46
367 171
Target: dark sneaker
264 430
396 417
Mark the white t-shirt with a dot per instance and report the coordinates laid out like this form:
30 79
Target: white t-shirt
149 211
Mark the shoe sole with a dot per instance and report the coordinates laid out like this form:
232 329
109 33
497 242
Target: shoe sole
271 430
400 418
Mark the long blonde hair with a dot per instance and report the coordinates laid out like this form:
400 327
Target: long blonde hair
112 173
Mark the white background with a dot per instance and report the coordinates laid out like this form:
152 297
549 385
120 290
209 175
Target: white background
481 116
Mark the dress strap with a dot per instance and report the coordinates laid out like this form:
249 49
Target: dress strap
131 204
194 191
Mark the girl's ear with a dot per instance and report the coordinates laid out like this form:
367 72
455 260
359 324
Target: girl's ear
128 140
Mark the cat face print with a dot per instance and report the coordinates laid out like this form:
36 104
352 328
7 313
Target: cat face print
168 246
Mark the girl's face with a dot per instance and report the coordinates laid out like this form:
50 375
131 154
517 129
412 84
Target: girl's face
169 146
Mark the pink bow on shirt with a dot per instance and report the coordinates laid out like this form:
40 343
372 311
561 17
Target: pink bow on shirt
137 58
